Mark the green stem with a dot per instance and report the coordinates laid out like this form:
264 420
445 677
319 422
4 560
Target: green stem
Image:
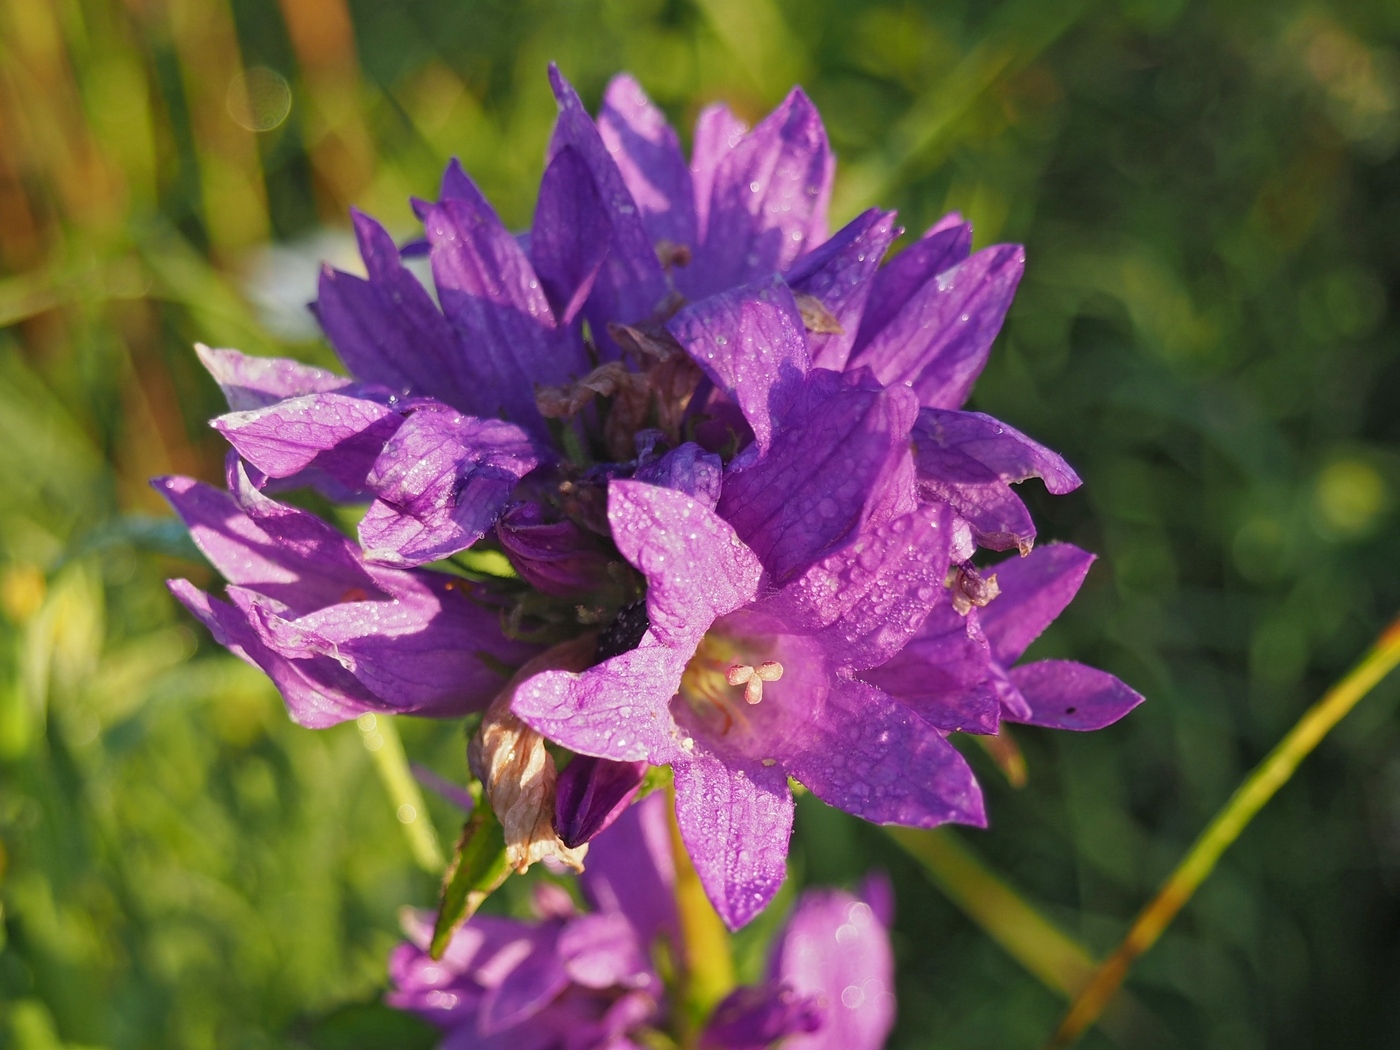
705 961
1258 788
381 739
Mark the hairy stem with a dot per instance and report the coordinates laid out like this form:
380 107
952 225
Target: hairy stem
1248 799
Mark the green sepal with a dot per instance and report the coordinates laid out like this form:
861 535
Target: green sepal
477 870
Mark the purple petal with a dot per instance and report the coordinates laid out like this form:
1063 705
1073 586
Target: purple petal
940 339
569 238
255 382
689 469
330 432
845 438
768 202
717 132
558 557
437 648
863 752
528 987
968 460
696 567
591 793
387 329
942 247
1034 590
490 293
632 871
836 949
840 274
751 343
440 483
1063 694
601 951
283 552
632 283
648 155
941 674
619 709
318 692
735 818
756 1018
865 601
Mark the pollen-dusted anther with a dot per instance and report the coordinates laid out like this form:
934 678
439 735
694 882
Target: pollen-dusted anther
817 316
752 678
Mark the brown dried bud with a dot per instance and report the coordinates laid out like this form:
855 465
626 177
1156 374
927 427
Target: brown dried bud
517 770
970 588
672 254
816 317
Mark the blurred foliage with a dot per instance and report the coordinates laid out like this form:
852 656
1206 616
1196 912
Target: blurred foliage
1210 198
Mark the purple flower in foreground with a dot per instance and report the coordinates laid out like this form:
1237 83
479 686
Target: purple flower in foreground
580 981
756 632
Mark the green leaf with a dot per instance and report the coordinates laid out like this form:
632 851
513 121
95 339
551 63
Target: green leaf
478 868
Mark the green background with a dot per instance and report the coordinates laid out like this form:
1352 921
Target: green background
1209 195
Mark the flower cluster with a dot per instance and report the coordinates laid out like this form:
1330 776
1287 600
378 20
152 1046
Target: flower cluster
744 513
589 979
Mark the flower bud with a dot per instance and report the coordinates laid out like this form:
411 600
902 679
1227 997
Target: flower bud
591 794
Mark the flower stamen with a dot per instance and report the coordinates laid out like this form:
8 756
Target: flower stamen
752 678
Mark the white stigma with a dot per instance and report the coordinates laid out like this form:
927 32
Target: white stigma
752 678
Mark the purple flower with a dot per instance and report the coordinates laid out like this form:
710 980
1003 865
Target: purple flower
339 635
584 980
757 629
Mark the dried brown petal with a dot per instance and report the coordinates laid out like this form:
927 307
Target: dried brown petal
970 588
517 770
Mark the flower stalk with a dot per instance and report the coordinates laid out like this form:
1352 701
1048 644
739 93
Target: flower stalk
1260 786
705 960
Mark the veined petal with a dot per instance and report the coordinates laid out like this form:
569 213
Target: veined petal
717 132
648 155
696 567
835 949
1034 590
283 552
632 283
490 293
387 329
687 468
751 343
1063 694
864 602
557 557
828 470
841 274
440 483
939 341
735 818
255 382
618 710
863 752
570 235
943 246
768 201
438 650
332 432
942 674
318 691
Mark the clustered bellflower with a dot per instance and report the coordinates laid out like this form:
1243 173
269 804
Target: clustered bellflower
580 980
726 456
